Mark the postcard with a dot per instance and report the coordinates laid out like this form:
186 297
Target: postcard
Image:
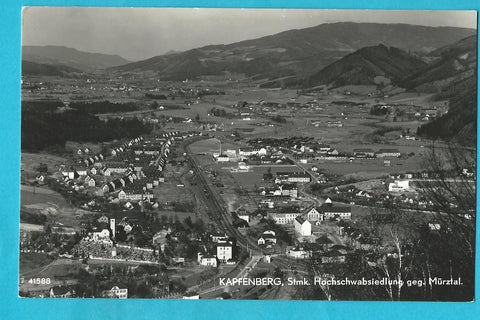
258 154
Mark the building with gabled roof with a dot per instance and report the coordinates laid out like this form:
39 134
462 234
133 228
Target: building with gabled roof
303 227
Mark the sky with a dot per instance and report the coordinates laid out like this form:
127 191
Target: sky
141 33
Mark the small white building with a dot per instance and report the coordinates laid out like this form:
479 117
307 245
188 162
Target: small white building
115 292
399 186
207 261
303 227
224 251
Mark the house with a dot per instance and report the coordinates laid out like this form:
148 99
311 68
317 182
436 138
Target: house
390 153
114 167
103 219
61 292
298 253
225 251
314 215
303 227
284 217
252 151
289 190
363 153
82 171
219 237
115 292
91 183
399 186
93 171
434 226
71 174
207 260
268 237
223 158
332 212
292 177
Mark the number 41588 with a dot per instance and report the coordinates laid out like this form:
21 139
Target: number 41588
39 281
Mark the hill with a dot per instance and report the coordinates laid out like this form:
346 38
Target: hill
454 76
449 64
58 55
460 123
40 69
367 66
292 54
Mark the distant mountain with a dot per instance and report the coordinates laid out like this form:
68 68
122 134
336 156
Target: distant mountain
37 69
450 64
367 66
295 53
58 55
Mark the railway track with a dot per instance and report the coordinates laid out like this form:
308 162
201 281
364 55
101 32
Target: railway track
218 210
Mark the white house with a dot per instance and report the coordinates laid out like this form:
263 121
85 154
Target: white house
303 227
399 186
115 292
314 215
298 253
91 182
207 261
223 158
224 251
336 212
267 238
283 217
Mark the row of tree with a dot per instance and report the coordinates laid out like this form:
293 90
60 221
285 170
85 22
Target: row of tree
41 130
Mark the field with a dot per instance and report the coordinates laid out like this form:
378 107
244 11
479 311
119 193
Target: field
32 261
39 195
255 176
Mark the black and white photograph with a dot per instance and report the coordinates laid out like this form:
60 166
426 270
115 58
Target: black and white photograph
248 154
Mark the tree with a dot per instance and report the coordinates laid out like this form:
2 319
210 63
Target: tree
449 251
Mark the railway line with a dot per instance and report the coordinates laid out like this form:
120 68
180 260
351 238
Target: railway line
218 211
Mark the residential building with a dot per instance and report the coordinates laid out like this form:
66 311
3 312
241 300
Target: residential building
268 237
399 186
303 227
115 292
225 251
314 215
390 153
207 260
283 217
330 211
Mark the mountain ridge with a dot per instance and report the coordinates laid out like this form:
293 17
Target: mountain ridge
70 57
363 66
292 53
